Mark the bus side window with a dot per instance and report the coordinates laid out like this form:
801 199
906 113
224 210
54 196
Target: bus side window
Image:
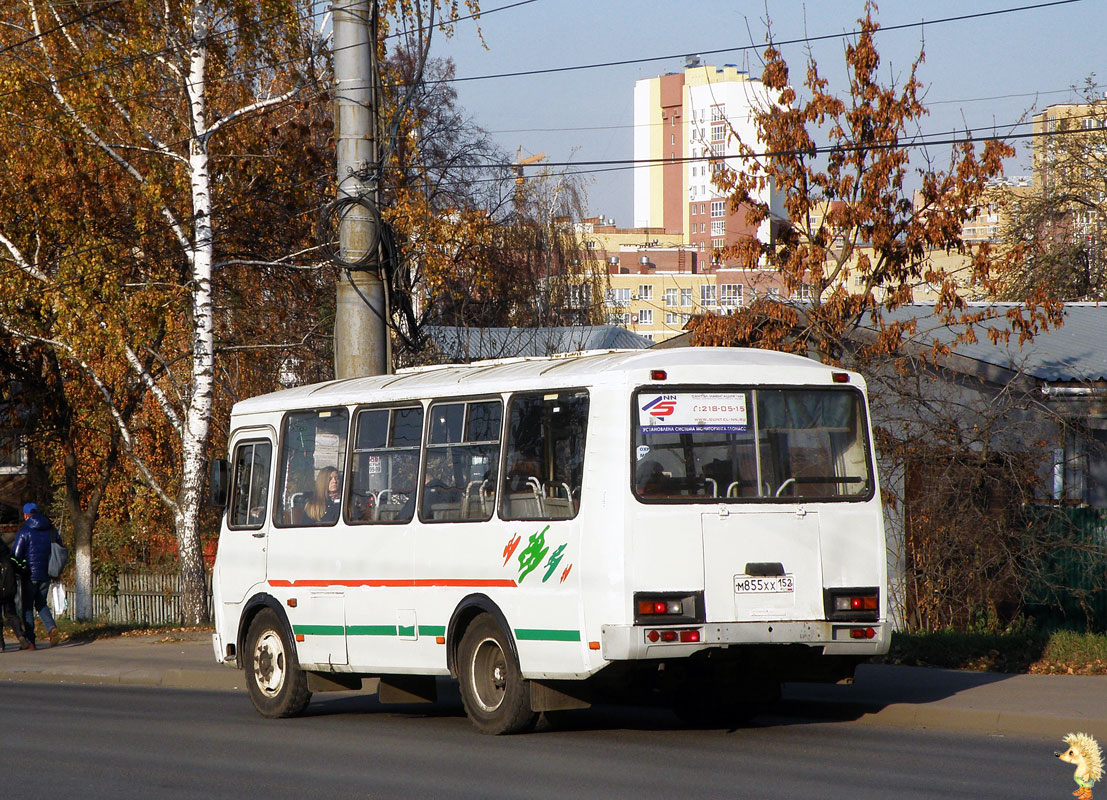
545 454
313 467
385 465
463 448
250 484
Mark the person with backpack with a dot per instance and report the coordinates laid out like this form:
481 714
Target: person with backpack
9 585
32 552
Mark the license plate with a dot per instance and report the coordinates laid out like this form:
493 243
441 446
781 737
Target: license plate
760 584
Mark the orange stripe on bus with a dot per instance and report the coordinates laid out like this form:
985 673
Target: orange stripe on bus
506 583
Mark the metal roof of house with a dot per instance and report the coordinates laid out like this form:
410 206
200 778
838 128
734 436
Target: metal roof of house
1076 351
471 344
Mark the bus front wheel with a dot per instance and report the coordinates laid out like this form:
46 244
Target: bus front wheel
277 685
496 698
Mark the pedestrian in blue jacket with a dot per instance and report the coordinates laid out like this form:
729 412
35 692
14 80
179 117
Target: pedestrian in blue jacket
32 550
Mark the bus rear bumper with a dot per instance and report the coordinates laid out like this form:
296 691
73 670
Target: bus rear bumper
633 642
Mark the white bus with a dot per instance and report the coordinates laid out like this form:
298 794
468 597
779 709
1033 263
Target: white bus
691 525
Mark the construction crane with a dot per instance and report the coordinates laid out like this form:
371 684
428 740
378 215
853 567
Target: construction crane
520 162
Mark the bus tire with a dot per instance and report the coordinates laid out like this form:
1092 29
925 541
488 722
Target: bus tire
277 685
495 696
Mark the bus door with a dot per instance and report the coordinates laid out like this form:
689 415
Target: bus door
762 564
244 543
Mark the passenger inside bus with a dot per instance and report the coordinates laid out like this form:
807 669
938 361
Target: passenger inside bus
326 501
649 479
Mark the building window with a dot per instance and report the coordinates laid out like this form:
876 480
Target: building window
670 297
618 319
730 294
718 113
686 297
718 208
645 291
718 133
718 244
701 247
693 204
672 318
718 227
618 297
580 296
707 294
645 316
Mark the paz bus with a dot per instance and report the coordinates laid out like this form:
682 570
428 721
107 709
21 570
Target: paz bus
689 526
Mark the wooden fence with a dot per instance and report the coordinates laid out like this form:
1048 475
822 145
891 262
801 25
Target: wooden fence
146 598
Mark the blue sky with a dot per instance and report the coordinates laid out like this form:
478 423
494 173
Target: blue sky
980 72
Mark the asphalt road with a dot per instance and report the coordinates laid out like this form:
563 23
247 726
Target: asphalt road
108 742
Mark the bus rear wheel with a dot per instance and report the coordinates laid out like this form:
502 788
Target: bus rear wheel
496 698
277 685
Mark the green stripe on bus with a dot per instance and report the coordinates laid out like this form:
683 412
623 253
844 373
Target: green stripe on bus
318 630
371 630
432 630
547 635
407 630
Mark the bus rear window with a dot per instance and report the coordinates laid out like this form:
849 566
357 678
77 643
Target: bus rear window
750 445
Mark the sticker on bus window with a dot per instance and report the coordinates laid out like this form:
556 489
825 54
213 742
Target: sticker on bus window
643 451
374 465
693 413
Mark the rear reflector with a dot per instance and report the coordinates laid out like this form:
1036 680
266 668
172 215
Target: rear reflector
658 375
862 633
840 377
671 635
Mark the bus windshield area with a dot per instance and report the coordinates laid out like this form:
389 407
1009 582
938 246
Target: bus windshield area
751 445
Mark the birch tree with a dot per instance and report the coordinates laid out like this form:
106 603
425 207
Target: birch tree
138 93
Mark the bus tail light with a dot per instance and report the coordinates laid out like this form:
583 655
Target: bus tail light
646 607
658 375
862 633
857 605
668 608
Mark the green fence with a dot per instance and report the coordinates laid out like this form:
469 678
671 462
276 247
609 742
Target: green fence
1071 585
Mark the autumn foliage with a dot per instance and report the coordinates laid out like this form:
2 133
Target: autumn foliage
855 240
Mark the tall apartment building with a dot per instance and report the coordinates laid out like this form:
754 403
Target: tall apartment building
684 123
1070 163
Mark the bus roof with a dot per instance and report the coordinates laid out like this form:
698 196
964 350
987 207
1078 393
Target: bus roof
683 364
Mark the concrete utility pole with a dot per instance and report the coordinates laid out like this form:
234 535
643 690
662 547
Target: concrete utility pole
360 333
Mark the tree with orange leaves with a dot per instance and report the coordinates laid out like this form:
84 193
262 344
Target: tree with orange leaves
854 242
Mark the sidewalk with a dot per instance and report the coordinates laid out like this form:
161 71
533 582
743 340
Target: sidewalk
1031 705
177 661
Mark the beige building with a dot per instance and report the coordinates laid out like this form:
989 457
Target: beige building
687 126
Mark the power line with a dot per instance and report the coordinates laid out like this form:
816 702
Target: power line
59 27
744 48
454 20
